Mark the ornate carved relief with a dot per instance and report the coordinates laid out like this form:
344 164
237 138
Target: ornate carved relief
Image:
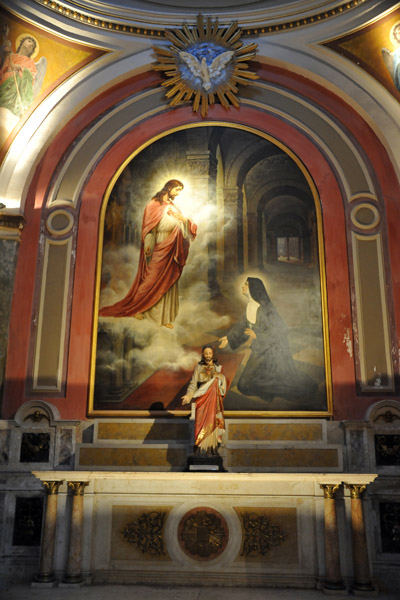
387 450
147 533
260 535
388 417
203 533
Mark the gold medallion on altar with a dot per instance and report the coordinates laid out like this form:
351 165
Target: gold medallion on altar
205 64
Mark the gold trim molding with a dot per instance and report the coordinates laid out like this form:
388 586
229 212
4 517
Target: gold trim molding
11 226
94 412
153 32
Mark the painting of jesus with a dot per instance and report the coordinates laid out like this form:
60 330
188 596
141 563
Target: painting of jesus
164 249
233 210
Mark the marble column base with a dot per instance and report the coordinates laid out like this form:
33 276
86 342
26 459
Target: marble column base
77 584
365 591
44 584
44 578
333 588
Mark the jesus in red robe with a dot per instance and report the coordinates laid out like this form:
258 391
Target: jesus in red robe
166 236
207 387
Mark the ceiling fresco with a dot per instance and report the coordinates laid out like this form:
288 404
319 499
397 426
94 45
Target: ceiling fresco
376 49
33 64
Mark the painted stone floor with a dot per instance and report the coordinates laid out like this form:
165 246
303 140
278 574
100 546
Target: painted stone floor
140 592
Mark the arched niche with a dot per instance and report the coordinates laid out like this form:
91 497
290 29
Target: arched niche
80 175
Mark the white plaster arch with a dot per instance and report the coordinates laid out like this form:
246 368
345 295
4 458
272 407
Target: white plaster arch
318 126
58 108
386 411
42 409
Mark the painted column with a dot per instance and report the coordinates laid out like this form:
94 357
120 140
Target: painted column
202 166
231 242
46 573
332 554
253 239
74 570
362 578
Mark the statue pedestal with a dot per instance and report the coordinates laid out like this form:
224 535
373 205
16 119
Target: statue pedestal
198 463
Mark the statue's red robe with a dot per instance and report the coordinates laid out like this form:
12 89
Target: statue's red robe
155 278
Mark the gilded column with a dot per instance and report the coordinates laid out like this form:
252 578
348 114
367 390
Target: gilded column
74 569
46 573
332 553
362 578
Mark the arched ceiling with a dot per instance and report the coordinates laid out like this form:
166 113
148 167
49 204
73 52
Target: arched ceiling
156 13
298 50
274 7
178 5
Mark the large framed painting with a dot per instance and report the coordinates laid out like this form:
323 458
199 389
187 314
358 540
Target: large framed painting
211 235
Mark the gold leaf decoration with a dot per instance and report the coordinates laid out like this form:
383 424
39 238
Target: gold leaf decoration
204 64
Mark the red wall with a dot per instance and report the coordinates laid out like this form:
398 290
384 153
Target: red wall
74 406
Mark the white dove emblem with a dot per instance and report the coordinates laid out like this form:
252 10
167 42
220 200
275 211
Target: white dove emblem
203 70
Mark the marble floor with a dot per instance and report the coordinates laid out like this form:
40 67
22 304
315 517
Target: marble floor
140 592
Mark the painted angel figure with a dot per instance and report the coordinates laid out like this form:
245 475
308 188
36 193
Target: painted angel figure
206 72
392 59
20 78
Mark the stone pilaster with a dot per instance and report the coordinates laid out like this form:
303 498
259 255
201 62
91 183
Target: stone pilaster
333 580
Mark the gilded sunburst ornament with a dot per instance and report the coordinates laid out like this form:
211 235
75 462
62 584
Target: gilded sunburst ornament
205 64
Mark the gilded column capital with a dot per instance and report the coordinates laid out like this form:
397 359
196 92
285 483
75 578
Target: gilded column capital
356 489
52 487
77 487
330 489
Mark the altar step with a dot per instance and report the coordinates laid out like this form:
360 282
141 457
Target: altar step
258 445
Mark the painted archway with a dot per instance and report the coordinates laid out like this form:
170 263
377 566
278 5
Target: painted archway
67 191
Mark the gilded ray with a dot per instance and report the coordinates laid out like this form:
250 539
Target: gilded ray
204 78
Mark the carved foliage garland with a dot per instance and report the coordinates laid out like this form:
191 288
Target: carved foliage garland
147 533
260 535
205 64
